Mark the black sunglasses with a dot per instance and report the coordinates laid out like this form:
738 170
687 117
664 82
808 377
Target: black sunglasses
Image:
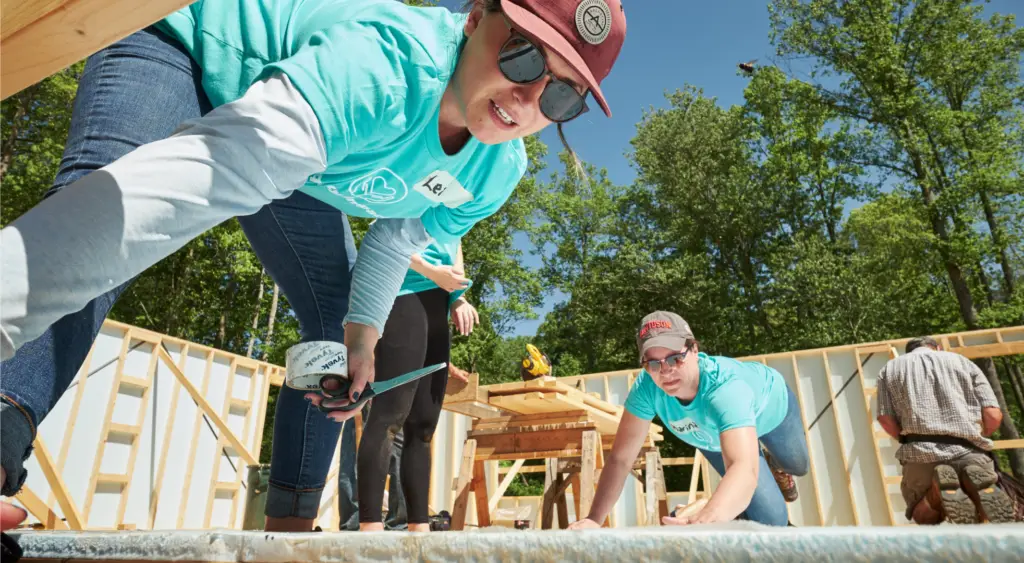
655 366
522 62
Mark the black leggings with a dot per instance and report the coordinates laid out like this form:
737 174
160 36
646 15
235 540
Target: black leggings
415 335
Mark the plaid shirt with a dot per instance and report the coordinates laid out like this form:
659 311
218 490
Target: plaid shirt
933 392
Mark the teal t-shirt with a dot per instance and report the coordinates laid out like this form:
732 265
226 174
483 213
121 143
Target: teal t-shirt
373 72
437 254
731 394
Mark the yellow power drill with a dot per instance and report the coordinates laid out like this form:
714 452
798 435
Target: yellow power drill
535 364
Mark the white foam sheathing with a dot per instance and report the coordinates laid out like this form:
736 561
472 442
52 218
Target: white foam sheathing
183 494
736 541
846 486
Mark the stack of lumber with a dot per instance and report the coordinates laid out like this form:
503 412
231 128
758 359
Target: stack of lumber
539 396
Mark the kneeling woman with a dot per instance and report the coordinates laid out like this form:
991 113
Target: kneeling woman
721 406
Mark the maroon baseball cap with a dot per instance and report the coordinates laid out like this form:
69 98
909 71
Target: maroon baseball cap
662 329
588 34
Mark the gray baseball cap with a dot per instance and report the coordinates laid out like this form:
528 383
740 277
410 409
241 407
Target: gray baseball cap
662 329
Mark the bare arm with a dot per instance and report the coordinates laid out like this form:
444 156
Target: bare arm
459 263
730 499
628 440
421 266
890 425
991 418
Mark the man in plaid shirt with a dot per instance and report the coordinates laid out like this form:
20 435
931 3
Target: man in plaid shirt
941 408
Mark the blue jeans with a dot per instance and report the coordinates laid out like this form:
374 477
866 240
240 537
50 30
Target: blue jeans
348 490
787 443
135 92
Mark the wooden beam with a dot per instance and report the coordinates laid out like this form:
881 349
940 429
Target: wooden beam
492 503
36 507
46 36
222 426
798 392
196 425
588 471
483 513
841 441
83 377
462 485
105 431
880 467
1008 444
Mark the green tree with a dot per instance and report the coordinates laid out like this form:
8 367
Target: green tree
920 74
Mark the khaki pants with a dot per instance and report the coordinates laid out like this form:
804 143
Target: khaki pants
917 477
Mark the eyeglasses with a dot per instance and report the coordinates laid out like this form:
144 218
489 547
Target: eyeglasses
522 62
673 361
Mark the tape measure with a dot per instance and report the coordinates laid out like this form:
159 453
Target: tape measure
307 363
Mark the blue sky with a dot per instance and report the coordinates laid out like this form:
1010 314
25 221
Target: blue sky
670 43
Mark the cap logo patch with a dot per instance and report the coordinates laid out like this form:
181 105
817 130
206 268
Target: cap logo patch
593 21
652 326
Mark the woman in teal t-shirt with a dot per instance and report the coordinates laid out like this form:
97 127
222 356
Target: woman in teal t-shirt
281 113
725 408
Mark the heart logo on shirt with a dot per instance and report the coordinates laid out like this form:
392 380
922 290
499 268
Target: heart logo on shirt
380 187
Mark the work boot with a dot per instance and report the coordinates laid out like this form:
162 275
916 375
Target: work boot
957 507
784 480
993 504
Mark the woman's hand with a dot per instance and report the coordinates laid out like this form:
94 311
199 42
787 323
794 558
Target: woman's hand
464 316
448 278
457 373
360 341
585 524
702 517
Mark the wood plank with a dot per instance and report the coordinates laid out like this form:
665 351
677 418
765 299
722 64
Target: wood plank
211 494
514 420
261 411
588 471
140 419
241 469
458 391
551 478
125 429
839 435
462 486
677 461
113 478
691 496
217 421
196 425
878 452
83 377
807 437
165 447
510 475
16 15
36 507
105 431
990 350
483 513
473 409
577 491
137 382
57 485
1008 444
650 496
70 33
